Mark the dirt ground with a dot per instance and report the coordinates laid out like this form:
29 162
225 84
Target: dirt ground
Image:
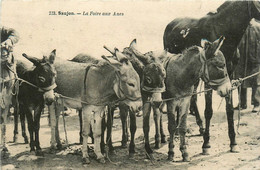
248 140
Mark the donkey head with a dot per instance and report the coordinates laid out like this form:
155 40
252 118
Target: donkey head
127 82
152 72
45 75
215 71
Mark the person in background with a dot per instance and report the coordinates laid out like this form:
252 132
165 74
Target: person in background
249 63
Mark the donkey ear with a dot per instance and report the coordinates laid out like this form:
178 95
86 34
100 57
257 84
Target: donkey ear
52 56
120 56
112 62
204 43
219 43
133 44
34 60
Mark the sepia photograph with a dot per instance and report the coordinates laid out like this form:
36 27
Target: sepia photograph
151 84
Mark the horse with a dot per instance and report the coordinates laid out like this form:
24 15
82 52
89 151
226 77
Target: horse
8 75
183 71
94 86
36 86
231 21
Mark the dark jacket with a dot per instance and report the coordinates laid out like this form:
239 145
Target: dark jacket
9 33
249 49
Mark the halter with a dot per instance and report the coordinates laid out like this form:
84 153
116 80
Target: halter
204 72
125 96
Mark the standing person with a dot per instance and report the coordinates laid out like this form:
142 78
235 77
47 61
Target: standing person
8 37
249 63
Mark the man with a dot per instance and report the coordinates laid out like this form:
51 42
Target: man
8 37
249 49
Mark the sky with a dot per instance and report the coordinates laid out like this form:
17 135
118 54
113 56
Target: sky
40 32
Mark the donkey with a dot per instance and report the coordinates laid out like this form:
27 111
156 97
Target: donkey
183 71
8 75
231 21
93 88
34 93
151 71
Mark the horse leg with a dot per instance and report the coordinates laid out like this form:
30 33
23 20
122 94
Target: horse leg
208 115
37 117
110 120
157 117
80 126
4 153
230 119
97 130
16 117
86 118
183 129
146 129
171 128
22 118
123 115
132 130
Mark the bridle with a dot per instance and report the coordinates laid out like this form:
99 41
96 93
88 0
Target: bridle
120 93
204 72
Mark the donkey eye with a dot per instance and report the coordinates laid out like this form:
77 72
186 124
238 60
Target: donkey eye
131 84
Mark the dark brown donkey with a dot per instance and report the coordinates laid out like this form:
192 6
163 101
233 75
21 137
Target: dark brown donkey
151 71
34 93
231 21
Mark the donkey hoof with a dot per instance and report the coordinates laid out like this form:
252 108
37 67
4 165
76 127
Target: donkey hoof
85 161
59 146
170 158
205 151
102 160
5 153
186 158
157 145
163 140
150 156
39 153
131 155
124 145
15 139
234 149
26 141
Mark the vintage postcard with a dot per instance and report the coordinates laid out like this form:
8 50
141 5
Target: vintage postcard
136 62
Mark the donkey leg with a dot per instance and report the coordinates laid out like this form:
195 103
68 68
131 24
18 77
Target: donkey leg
132 130
230 119
22 118
97 130
86 118
110 121
57 132
37 117
183 129
208 115
157 116
171 128
163 137
146 129
80 126
194 110
30 127
123 115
